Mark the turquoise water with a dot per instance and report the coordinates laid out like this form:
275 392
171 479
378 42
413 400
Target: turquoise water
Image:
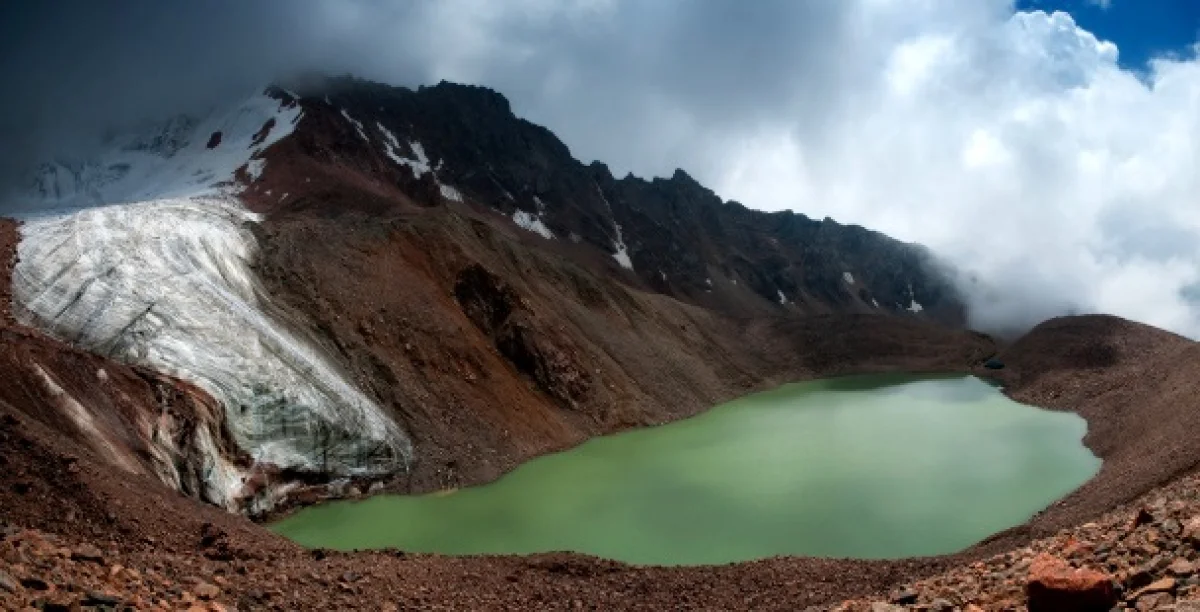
878 466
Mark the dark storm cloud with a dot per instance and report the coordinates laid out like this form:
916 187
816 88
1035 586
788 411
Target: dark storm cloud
75 67
72 68
667 73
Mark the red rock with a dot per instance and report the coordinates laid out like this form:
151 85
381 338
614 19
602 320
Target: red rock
1075 548
1191 531
1162 585
1053 585
1143 517
86 552
1182 567
207 591
1154 601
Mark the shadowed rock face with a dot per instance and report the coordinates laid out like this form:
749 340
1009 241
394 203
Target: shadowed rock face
499 312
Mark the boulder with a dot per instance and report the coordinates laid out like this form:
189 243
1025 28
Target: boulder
1191 531
1162 585
1053 585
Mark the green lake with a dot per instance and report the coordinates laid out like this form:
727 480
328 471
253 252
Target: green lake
877 466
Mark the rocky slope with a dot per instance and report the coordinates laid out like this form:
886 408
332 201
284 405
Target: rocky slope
418 290
504 300
489 351
1133 383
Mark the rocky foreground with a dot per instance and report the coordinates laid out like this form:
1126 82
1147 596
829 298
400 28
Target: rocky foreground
1142 556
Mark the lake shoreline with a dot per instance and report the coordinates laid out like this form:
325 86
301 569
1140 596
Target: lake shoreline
857 438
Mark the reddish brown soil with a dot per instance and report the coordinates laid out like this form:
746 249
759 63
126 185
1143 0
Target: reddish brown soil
142 525
489 346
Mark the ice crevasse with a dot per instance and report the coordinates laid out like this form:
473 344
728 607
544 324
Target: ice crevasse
145 255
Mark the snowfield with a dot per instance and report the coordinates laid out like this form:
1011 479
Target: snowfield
170 161
146 256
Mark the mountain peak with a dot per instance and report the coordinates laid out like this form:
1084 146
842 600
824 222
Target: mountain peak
683 177
484 97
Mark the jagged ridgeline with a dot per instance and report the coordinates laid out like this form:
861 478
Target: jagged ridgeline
676 236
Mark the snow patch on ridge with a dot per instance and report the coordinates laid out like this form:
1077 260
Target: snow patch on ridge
254 169
450 193
391 146
621 252
419 164
914 306
358 126
532 223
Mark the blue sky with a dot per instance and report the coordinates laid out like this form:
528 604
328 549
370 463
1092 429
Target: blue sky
1141 29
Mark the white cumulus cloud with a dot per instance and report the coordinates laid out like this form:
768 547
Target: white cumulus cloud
1016 147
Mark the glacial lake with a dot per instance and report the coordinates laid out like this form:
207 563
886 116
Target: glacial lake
876 466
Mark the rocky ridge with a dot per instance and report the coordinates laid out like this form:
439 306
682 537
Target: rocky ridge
452 144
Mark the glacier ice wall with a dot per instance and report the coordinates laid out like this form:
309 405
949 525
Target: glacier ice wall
147 258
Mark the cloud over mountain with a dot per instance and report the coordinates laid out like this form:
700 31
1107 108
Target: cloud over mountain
1011 142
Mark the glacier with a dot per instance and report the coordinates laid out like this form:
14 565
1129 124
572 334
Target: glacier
145 255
